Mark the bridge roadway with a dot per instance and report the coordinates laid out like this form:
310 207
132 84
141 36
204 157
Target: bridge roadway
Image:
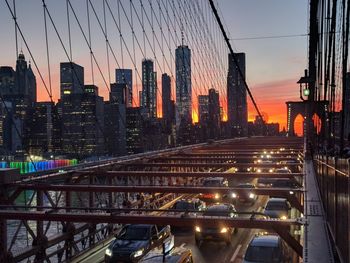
160 170
208 252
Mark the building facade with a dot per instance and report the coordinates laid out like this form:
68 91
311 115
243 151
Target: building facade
124 76
115 119
214 114
183 85
237 95
82 114
149 89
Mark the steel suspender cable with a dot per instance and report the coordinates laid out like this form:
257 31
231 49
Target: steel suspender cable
235 60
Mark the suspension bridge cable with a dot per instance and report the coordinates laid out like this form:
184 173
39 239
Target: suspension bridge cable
235 60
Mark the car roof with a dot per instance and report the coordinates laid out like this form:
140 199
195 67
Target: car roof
219 207
265 241
276 200
214 179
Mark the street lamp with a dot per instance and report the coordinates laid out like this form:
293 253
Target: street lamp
304 83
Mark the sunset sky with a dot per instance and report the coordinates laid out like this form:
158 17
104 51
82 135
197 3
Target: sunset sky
274 65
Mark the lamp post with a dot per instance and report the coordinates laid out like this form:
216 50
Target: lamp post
305 82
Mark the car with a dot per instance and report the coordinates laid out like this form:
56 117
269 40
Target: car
293 164
267 249
278 182
277 208
220 232
213 182
134 241
191 205
245 196
168 253
285 183
284 170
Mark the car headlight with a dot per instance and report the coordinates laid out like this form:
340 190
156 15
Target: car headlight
216 196
283 217
234 195
198 229
109 252
248 169
223 230
138 253
251 195
271 170
258 171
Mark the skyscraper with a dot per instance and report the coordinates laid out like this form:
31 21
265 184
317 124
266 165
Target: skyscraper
134 131
25 79
18 90
166 98
82 113
214 114
183 85
124 76
237 96
72 78
203 109
115 119
149 89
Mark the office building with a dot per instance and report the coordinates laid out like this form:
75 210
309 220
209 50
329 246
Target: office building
183 85
203 109
115 120
134 130
167 105
214 114
149 89
237 95
82 114
124 76
72 79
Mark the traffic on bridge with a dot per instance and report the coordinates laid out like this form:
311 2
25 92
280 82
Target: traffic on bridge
174 131
216 197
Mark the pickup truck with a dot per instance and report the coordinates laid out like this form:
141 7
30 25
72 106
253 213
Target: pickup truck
135 241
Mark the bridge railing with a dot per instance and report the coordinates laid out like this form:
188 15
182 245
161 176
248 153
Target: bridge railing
334 184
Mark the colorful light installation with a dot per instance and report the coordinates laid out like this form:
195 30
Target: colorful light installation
29 167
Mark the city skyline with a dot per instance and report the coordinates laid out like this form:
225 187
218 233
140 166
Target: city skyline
267 75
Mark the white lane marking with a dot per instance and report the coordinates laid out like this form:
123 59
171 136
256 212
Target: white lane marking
236 253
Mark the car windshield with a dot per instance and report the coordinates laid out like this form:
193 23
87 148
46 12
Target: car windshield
212 183
276 206
262 254
184 206
136 233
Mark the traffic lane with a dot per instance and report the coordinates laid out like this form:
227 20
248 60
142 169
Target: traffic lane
218 251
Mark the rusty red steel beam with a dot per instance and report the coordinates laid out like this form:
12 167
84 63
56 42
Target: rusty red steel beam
190 174
237 154
210 221
206 165
153 189
211 158
115 218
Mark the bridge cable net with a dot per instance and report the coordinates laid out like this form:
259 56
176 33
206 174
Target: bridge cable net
112 35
